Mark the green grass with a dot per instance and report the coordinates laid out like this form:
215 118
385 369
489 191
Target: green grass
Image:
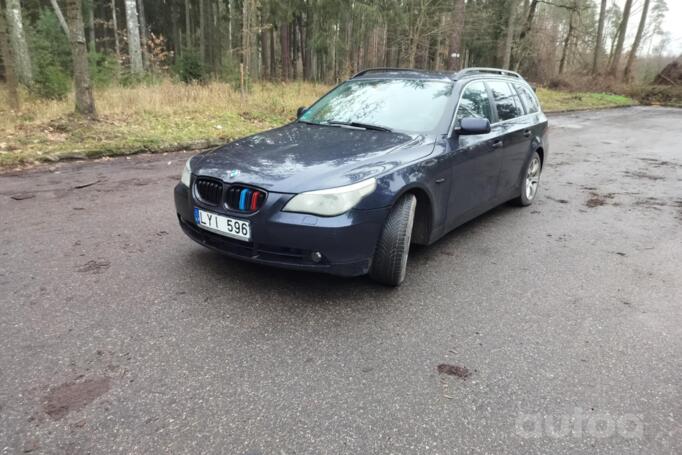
557 101
170 116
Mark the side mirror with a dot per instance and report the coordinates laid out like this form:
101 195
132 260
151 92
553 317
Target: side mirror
300 111
469 126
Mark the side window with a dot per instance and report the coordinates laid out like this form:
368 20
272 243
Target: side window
506 100
474 102
528 98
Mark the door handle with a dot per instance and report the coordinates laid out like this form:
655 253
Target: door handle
497 144
526 133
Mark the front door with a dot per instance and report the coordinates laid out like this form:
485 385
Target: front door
476 159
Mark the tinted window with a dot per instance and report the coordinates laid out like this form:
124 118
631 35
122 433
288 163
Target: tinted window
506 100
474 102
528 98
403 105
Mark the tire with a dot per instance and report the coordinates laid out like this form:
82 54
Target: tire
530 181
390 257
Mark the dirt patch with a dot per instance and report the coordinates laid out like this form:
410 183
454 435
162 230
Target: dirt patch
660 163
73 396
597 199
22 196
560 201
94 267
86 184
454 370
653 202
643 175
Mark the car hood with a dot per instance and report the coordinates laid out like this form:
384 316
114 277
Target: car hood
302 157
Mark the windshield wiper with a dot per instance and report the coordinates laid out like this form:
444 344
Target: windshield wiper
367 126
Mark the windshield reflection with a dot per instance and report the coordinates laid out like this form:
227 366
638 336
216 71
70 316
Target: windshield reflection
408 105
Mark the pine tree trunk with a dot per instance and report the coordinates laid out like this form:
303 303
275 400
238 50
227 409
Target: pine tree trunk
509 39
188 26
220 32
143 34
308 45
600 37
175 30
253 39
85 104
117 45
17 39
627 74
202 30
569 37
92 46
230 27
8 62
615 62
134 48
60 16
273 57
293 46
284 41
246 37
455 46
265 49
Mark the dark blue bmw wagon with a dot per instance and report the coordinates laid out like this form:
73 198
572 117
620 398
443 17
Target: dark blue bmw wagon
388 158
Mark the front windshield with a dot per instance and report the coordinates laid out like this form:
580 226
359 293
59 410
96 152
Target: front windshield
408 105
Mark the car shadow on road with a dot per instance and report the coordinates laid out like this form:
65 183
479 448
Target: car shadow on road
215 270
281 284
447 245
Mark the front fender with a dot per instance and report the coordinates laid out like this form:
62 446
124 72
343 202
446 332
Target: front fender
428 178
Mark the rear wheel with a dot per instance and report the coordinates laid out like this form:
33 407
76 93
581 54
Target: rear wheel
530 181
390 257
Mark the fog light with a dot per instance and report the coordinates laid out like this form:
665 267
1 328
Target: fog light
316 256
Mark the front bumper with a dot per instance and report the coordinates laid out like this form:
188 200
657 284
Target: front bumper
288 240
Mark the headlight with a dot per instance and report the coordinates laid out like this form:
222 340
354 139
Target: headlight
333 201
186 174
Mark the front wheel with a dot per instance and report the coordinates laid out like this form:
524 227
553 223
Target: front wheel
390 258
530 181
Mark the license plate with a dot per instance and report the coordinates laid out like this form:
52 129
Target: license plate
223 225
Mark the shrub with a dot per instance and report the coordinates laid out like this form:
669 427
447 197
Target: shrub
49 43
51 82
229 72
104 69
188 68
51 56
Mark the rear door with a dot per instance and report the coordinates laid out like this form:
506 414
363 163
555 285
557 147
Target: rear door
476 159
513 130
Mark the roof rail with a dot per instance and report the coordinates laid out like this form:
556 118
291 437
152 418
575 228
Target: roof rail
501 72
384 70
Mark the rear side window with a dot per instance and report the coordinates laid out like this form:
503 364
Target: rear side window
507 102
474 102
528 98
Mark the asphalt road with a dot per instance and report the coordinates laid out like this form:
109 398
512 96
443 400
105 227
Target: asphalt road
120 335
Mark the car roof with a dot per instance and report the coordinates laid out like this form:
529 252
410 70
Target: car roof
411 73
